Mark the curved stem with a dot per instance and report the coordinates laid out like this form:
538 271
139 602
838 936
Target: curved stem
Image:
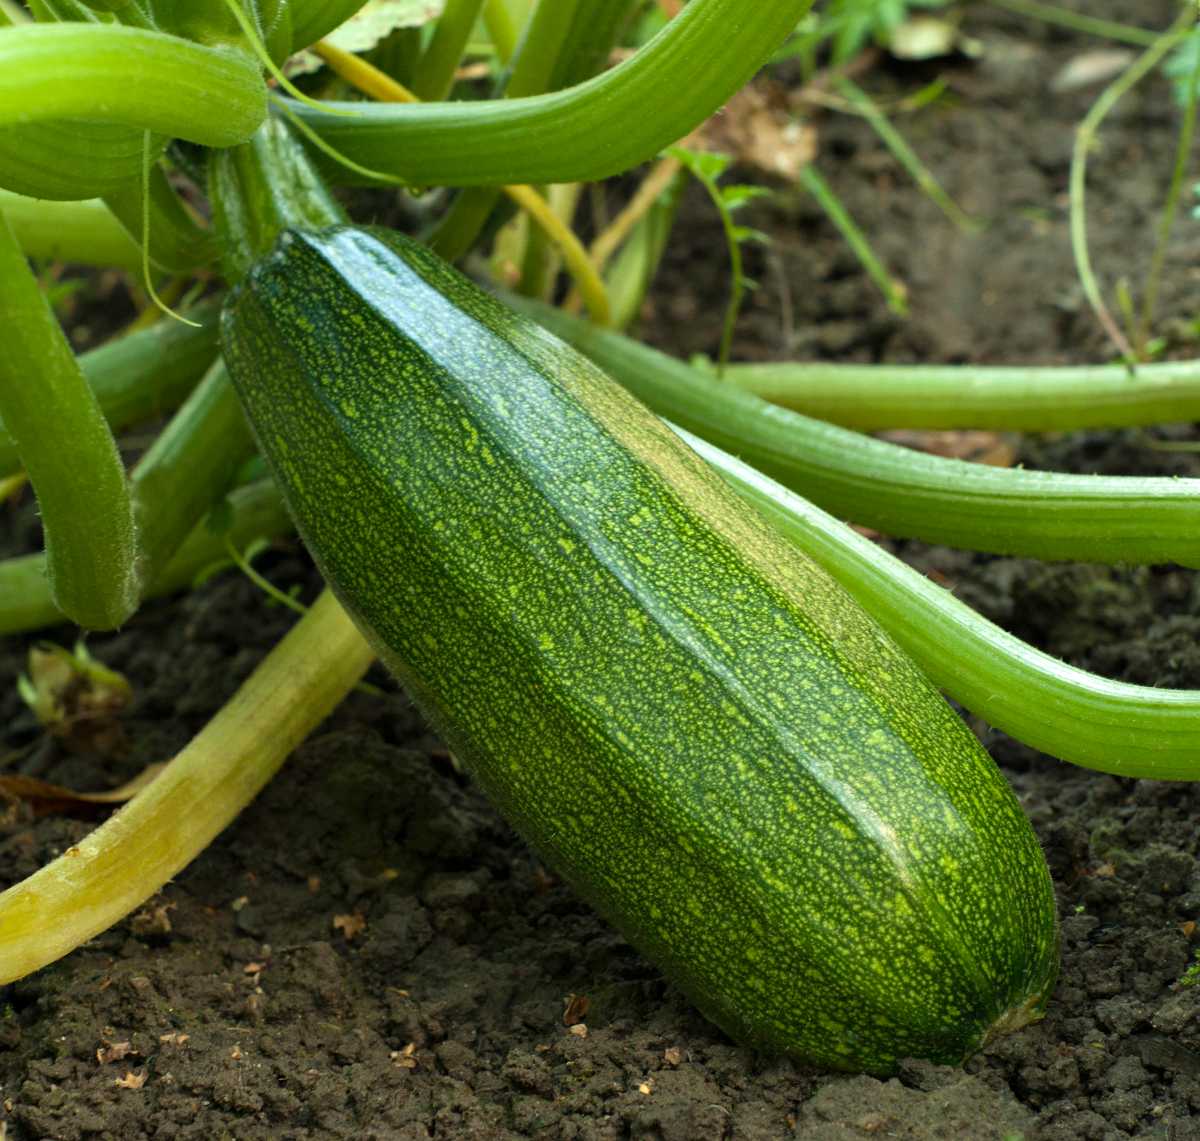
188 468
435 70
178 243
85 232
583 133
376 83
142 374
1017 398
257 513
114 74
899 491
1130 730
165 826
68 451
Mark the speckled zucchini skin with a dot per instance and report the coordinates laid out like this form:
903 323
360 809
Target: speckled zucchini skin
686 718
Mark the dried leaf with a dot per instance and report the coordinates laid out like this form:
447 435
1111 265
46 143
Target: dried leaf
989 448
114 1052
350 925
576 1009
758 128
1091 68
133 1079
49 799
672 1055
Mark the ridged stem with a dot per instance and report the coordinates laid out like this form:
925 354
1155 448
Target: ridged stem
501 28
190 465
165 826
113 74
903 492
68 450
257 513
583 133
85 232
141 374
1129 730
178 243
1017 398
435 70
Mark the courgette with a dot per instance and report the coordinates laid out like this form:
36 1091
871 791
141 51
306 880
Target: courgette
687 719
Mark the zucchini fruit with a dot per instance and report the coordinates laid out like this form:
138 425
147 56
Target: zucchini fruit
686 718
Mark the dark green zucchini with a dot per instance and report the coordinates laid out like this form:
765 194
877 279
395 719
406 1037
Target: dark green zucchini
686 718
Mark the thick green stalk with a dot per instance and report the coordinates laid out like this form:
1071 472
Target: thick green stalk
435 71
257 513
502 29
586 132
68 451
165 826
71 159
142 374
593 34
191 464
899 491
259 189
1018 398
1130 730
549 27
145 79
178 243
83 232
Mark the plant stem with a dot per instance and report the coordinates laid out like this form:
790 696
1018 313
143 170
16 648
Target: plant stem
371 80
583 133
1166 220
363 75
141 374
69 159
652 187
1130 730
165 826
899 491
1076 21
1016 398
1085 137
893 291
84 232
258 513
191 464
435 70
906 156
501 29
178 243
68 451
114 74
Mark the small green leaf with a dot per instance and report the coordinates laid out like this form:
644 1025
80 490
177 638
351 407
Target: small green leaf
736 195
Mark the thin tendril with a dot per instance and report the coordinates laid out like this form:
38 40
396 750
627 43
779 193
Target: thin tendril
259 48
331 152
151 292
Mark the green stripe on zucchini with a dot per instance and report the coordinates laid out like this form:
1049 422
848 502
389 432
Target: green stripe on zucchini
685 717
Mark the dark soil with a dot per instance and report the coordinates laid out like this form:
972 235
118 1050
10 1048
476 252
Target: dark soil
245 1005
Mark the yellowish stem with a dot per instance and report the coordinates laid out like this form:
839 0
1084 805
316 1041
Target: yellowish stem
165 826
362 75
607 243
379 85
150 314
